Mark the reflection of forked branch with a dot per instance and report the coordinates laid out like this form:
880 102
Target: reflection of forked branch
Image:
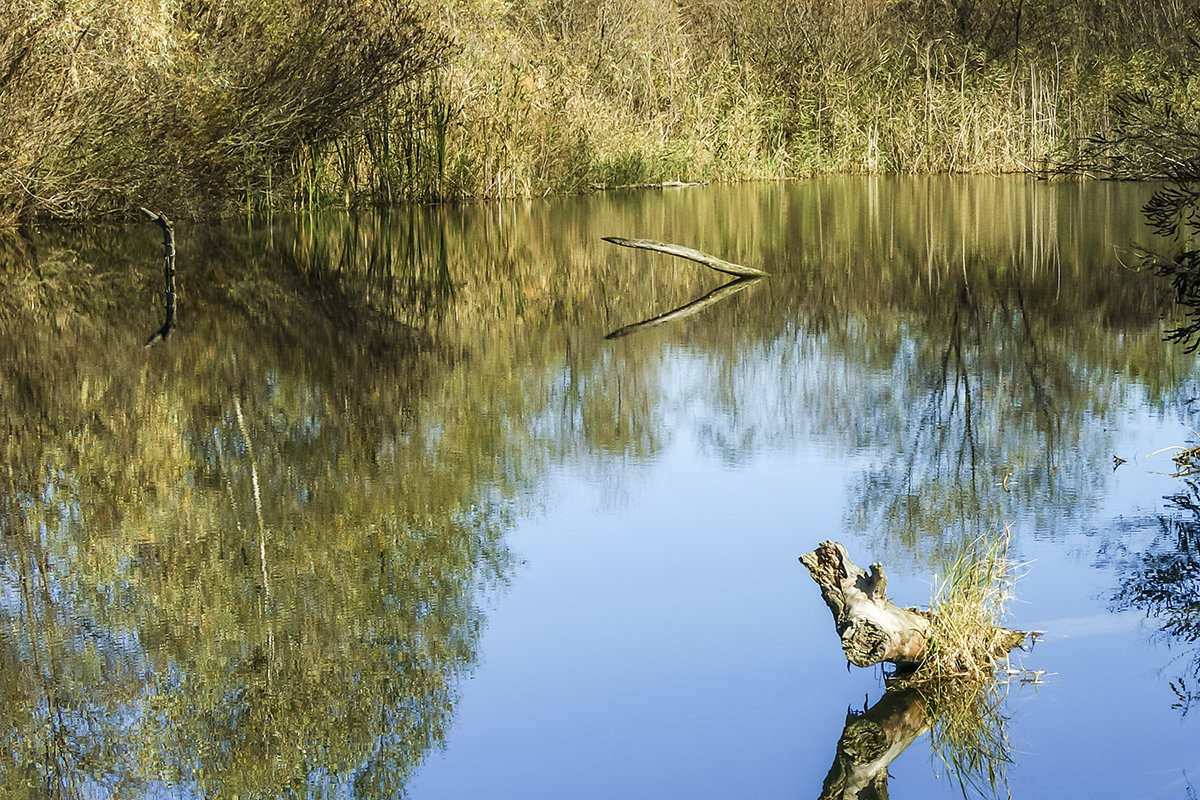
695 306
745 275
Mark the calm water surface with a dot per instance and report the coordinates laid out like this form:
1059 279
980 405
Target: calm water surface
388 515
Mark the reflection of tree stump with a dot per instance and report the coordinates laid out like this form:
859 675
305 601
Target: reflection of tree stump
870 742
168 231
872 628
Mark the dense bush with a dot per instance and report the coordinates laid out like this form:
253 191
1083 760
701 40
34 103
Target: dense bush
192 105
208 107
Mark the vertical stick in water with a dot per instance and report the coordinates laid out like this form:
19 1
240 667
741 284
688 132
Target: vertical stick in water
169 273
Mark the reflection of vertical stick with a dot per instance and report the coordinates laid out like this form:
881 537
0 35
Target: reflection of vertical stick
262 528
169 273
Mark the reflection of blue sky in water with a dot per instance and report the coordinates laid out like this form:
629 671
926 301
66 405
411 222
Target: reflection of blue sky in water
670 649
650 649
661 639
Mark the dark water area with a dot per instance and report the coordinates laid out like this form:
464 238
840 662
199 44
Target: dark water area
387 515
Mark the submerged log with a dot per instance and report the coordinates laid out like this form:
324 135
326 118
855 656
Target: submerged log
872 628
692 255
168 231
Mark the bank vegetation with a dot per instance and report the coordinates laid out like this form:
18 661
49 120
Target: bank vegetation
212 108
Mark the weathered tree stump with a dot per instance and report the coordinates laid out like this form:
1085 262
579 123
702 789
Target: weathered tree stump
872 628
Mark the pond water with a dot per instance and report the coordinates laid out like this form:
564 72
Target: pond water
388 515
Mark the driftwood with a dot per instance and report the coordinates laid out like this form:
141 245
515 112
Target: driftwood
957 703
168 231
872 628
699 304
692 255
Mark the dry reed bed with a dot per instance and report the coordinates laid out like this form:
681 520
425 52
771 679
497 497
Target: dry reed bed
257 104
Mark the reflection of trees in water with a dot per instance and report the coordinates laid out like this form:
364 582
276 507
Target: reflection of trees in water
943 384
987 398
1163 581
403 386
1001 380
947 337
243 564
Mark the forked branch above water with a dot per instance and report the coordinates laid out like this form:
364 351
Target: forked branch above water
690 254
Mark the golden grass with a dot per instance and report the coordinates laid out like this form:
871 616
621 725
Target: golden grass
207 111
966 636
967 640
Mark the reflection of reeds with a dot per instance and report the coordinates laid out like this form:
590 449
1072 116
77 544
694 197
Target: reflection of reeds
958 680
1187 460
968 735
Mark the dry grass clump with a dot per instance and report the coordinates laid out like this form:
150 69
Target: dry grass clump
966 636
958 678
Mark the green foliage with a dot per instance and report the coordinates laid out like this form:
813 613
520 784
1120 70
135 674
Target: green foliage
1154 132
